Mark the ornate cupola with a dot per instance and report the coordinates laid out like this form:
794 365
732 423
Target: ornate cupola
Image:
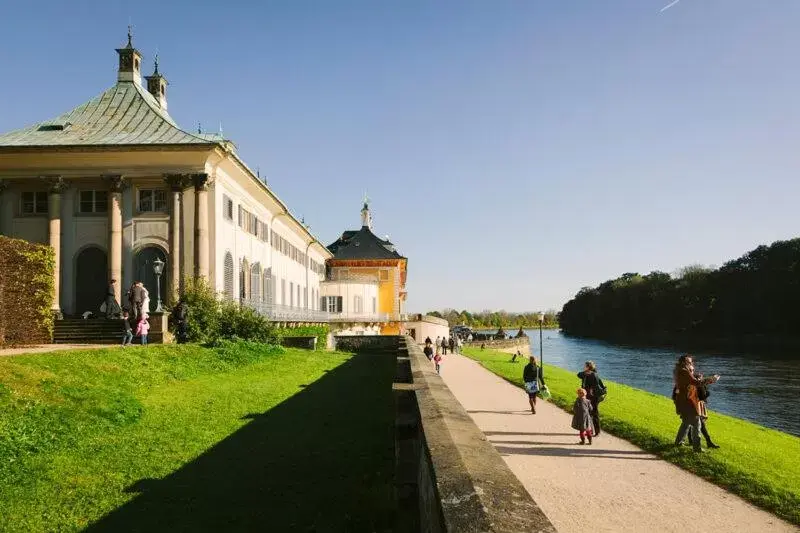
130 62
157 86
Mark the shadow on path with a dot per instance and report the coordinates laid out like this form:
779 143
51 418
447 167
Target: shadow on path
577 451
320 461
489 433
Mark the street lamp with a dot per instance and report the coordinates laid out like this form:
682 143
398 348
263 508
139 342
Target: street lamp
158 268
541 353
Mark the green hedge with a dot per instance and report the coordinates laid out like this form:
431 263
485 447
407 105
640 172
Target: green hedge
320 332
26 292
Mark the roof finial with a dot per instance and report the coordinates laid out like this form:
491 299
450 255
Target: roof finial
130 35
155 71
199 128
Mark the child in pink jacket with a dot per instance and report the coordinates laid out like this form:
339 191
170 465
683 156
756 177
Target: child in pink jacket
142 328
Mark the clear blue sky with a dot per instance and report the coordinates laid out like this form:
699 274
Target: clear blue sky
515 151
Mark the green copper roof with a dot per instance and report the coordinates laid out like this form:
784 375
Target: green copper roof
125 114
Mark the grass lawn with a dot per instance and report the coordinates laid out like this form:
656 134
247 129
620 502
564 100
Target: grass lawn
241 438
760 464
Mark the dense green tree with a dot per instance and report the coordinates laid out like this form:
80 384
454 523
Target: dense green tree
754 294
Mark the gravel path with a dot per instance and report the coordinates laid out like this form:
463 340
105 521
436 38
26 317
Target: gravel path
610 486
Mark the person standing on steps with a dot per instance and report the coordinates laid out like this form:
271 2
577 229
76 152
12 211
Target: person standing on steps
590 383
112 308
687 404
532 377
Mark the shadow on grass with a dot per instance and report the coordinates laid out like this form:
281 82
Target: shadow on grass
322 460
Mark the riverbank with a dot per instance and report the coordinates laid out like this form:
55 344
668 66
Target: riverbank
757 463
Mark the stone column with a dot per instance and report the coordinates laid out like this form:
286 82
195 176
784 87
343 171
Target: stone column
116 186
176 182
56 186
201 244
3 230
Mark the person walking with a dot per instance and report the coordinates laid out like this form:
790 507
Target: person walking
582 417
533 377
591 384
437 360
452 344
428 340
444 346
142 329
127 336
687 404
459 344
428 351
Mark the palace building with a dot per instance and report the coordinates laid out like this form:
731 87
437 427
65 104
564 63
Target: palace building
115 184
365 289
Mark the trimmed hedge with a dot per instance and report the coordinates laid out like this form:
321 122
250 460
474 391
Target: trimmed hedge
26 292
320 332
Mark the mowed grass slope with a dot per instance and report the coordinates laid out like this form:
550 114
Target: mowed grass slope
166 438
760 464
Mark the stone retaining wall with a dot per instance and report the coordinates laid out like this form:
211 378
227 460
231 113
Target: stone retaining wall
505 345
449 477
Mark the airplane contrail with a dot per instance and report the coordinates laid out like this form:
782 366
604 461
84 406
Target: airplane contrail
669 6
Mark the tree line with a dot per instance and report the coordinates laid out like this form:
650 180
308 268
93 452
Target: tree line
496 319
756 294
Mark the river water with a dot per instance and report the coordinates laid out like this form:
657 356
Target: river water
759 388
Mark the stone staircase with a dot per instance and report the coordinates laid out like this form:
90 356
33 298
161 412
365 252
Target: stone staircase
90 331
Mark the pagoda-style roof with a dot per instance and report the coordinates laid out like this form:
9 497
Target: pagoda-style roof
363 244
126 115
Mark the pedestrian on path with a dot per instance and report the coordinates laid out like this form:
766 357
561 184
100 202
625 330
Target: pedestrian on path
428 351
438 345
437 360
452 344
702 397
444 346
582 417
533 378
590 383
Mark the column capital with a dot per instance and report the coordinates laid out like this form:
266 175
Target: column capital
178 182
55 184
116 182
201 181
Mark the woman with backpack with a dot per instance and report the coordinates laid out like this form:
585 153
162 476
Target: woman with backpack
595 391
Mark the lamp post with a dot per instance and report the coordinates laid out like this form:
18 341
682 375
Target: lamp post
541 353
158 268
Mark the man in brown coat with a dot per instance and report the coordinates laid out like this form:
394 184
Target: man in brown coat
687 404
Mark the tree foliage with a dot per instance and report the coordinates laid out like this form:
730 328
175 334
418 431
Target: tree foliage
756 294
496 319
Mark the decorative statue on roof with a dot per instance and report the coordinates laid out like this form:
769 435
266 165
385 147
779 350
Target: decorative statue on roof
521 333
501 333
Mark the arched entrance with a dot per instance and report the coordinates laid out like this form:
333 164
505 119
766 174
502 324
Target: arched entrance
143 269
91 280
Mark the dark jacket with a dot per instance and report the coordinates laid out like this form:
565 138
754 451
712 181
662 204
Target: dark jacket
531 373
589 384
582 415
687 403
126 324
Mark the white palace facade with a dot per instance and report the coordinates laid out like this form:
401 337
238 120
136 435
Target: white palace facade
115 184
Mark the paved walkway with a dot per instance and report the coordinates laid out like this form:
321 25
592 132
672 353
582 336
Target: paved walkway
610 486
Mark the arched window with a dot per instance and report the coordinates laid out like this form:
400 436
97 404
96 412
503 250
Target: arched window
255 282
244 275
228 270
267 287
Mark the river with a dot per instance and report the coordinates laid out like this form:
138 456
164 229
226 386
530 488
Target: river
759 388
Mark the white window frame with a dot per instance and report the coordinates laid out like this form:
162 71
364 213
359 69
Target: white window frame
95 193
36 198
153 197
